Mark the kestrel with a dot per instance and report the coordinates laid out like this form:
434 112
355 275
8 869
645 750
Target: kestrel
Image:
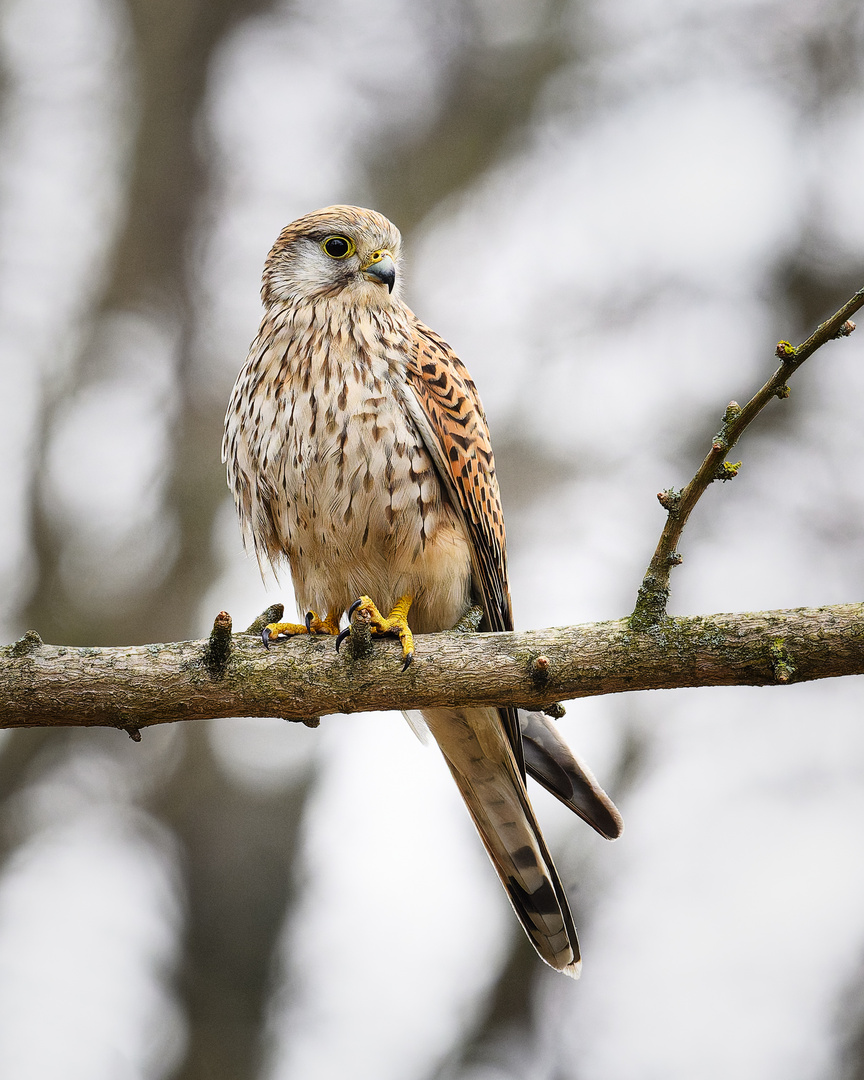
357 451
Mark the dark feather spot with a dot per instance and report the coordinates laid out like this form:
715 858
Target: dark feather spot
440 382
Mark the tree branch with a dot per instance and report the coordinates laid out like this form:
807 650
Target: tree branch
300 679
233 675
654 592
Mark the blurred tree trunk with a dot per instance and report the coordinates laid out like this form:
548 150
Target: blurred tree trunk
148 273
237 849
490 92
241 847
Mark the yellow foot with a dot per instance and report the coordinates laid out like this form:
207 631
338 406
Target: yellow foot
395 624
313 625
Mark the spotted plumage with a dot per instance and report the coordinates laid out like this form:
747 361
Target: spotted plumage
358 452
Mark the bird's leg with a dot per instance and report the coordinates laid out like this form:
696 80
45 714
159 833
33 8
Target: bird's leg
312 625
396 624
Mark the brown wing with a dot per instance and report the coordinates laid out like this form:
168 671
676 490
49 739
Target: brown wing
456 435
446 406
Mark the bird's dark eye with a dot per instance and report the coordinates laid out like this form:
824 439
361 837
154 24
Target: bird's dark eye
338 247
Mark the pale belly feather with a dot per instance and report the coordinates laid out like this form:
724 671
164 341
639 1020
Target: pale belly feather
360 508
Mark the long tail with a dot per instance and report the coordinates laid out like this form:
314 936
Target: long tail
478 753
551 762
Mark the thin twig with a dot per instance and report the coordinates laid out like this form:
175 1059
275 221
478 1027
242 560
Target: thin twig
654 592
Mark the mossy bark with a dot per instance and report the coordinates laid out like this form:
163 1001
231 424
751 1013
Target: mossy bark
138 686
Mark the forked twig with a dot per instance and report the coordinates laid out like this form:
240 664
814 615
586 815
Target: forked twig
654 591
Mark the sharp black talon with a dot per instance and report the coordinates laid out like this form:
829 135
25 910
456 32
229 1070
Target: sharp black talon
340 637
354 607
310 615
406 663
265 637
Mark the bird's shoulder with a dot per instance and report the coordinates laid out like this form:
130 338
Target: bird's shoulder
446 379
455 428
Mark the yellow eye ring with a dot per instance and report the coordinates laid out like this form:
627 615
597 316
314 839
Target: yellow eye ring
338 247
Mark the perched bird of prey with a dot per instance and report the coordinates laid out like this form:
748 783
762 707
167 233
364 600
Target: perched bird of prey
357 451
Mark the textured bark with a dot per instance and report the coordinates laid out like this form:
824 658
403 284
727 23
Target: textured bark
227 675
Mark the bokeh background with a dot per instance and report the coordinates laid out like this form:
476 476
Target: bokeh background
612 209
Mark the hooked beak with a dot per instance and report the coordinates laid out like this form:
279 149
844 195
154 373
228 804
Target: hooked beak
380 267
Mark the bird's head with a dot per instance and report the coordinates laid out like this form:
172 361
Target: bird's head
340 251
